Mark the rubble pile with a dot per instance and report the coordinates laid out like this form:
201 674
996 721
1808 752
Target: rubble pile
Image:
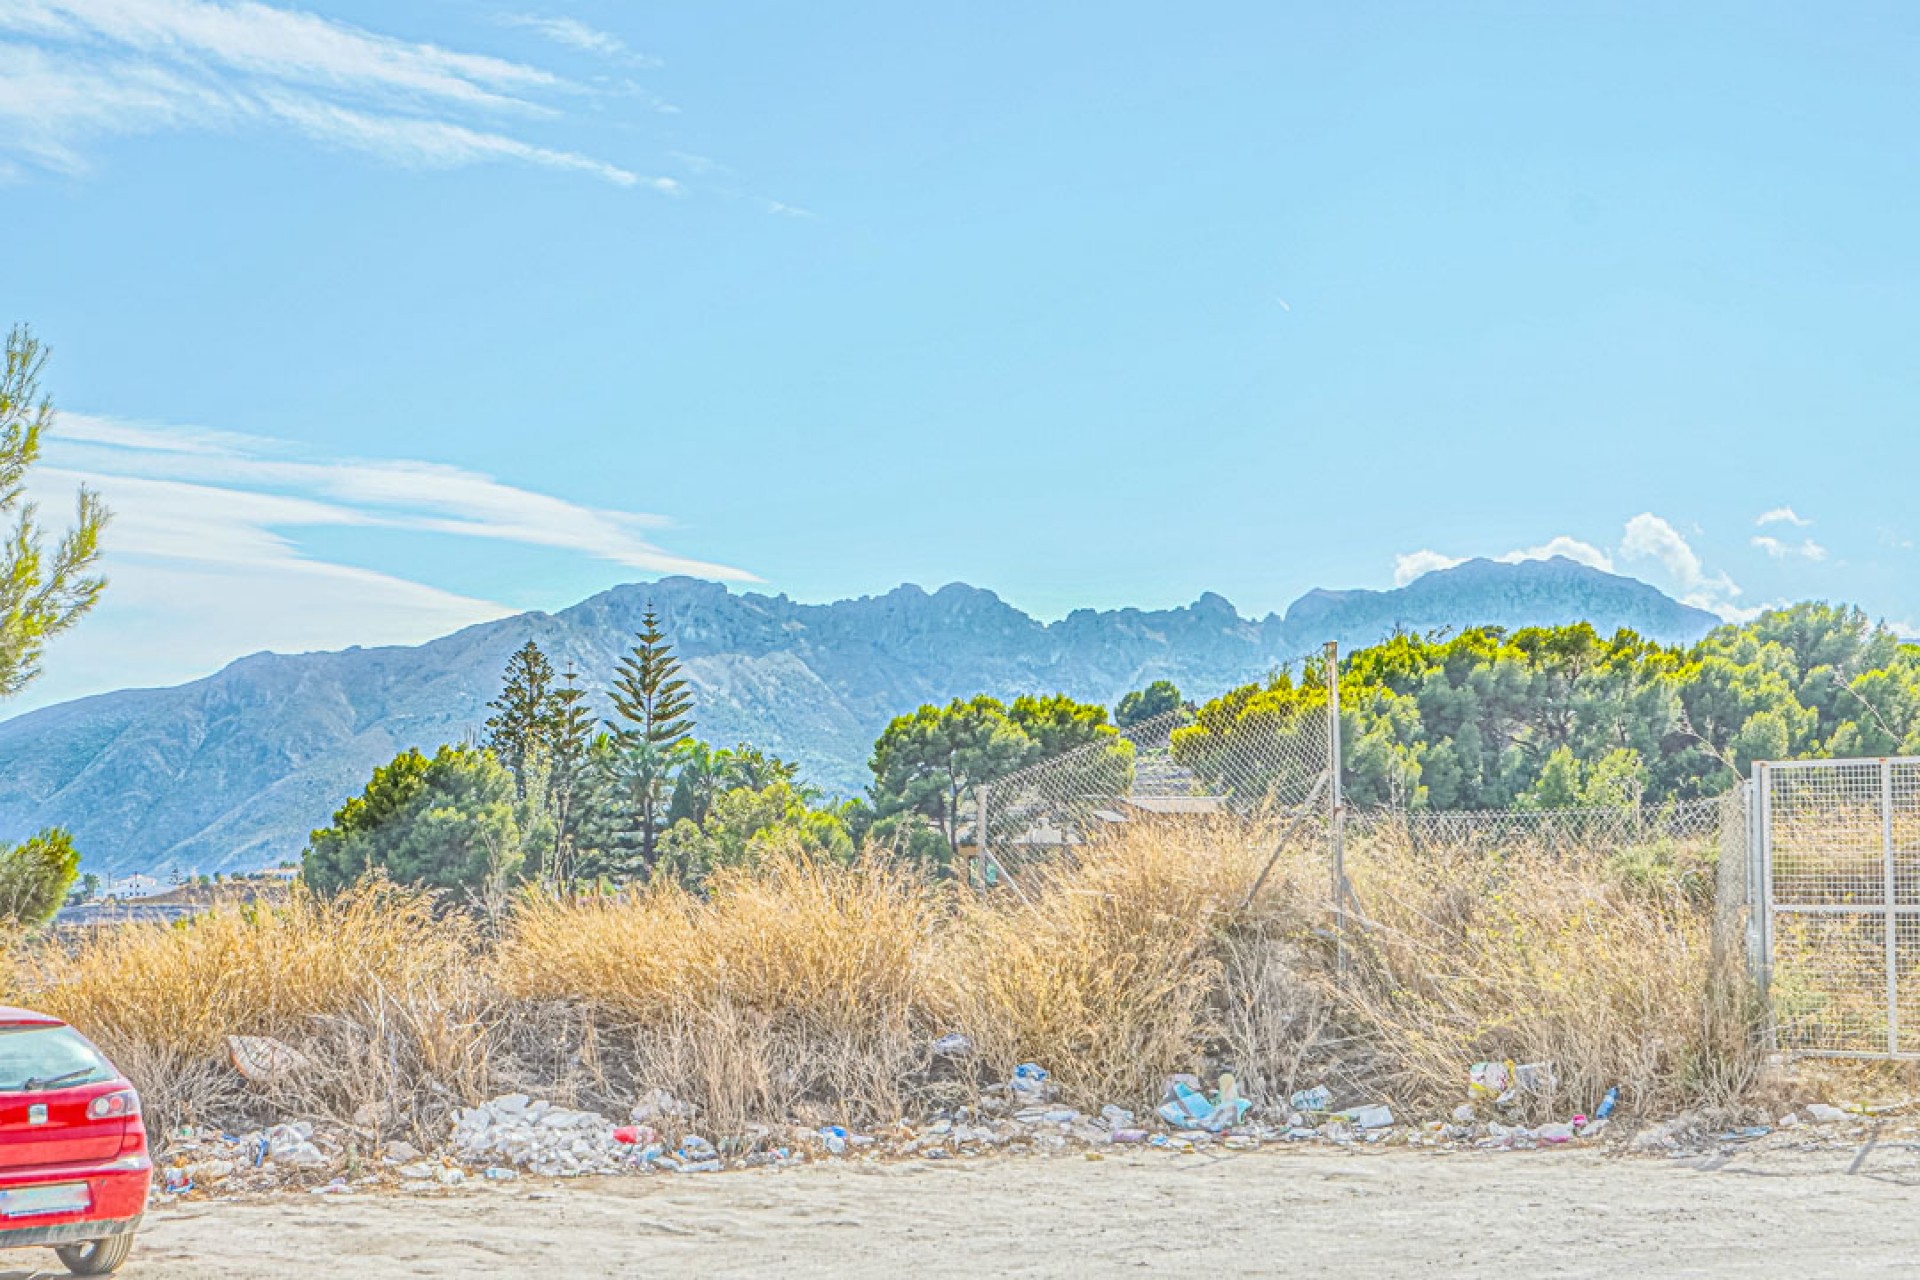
551 1141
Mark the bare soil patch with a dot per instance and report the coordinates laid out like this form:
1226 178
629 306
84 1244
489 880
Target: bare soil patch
1818 1210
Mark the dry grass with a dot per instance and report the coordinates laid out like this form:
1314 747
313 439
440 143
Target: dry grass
1611 978
798 984
811 992
373 986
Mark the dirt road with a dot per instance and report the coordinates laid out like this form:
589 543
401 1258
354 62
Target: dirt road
1549 1213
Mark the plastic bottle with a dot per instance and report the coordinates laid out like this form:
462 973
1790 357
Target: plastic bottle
1608 1103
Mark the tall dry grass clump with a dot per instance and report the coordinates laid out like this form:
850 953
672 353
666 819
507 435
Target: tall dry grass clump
1609 975
812 991
797 987
1112 971
373 987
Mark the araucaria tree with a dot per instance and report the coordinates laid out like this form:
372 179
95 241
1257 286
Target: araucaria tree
41 594
520 731
653 714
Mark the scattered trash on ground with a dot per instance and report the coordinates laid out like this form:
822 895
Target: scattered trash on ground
514 1136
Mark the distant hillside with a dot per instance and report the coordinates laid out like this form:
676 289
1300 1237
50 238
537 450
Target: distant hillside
231 772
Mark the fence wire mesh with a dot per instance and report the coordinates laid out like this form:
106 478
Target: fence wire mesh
1168 768
1839 937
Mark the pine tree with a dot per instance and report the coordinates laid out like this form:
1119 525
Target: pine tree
654 715
520 732
42 591
571 741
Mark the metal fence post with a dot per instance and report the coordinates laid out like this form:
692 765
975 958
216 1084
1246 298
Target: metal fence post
1892 899
1336 808
980 854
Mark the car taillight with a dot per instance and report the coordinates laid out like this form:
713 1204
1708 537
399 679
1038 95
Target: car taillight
109 1105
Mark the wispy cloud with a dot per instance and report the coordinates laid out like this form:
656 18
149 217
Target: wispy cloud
75 71
207 563
1805 549
1782 515
576 34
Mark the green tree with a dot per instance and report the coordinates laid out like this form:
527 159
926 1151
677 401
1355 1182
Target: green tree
929 763
36 876
653 714
571 742
521 730
41 594
1055 724
447 822
745 825
1142 705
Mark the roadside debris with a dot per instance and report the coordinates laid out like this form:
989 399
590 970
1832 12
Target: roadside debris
264 1060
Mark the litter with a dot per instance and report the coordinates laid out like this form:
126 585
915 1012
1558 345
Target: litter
1379 1116
1031 1080
1318 1098
1824 1113
551 1141
264 1060
1504 1082
954 1045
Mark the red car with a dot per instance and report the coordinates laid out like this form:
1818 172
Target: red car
74 1170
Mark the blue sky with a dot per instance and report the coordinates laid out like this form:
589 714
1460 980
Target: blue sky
375 319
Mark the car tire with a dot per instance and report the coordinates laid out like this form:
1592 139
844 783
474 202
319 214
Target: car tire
96 1257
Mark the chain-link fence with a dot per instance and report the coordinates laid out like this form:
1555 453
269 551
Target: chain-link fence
1169 768
1836 932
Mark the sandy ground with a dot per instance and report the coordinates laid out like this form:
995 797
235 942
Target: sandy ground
1825 1212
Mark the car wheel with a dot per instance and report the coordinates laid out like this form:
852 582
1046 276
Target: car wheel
96 1257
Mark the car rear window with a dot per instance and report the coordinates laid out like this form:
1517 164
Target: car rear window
32 1056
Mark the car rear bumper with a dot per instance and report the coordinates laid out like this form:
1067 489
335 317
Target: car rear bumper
117 1190
67 1232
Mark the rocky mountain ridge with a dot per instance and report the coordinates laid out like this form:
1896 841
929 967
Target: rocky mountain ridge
231 772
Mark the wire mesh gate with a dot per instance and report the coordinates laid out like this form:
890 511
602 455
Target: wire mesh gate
1836 849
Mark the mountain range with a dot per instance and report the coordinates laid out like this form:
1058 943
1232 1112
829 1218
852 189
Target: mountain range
231 772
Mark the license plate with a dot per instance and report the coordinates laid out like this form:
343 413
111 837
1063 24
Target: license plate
64 1197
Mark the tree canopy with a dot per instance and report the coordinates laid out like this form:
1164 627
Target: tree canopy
930 763
36 876
42 592
445 821
1546 717
1142 705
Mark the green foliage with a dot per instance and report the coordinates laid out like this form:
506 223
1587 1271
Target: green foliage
447 822
41 594
521 729
1142 705
1560 716
928 766
36 876
653 715
745 824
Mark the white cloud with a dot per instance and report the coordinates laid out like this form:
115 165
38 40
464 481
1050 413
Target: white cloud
1782 515
1566 548
73 71
1648 537
1418 564
206 566
1807 549
576 34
